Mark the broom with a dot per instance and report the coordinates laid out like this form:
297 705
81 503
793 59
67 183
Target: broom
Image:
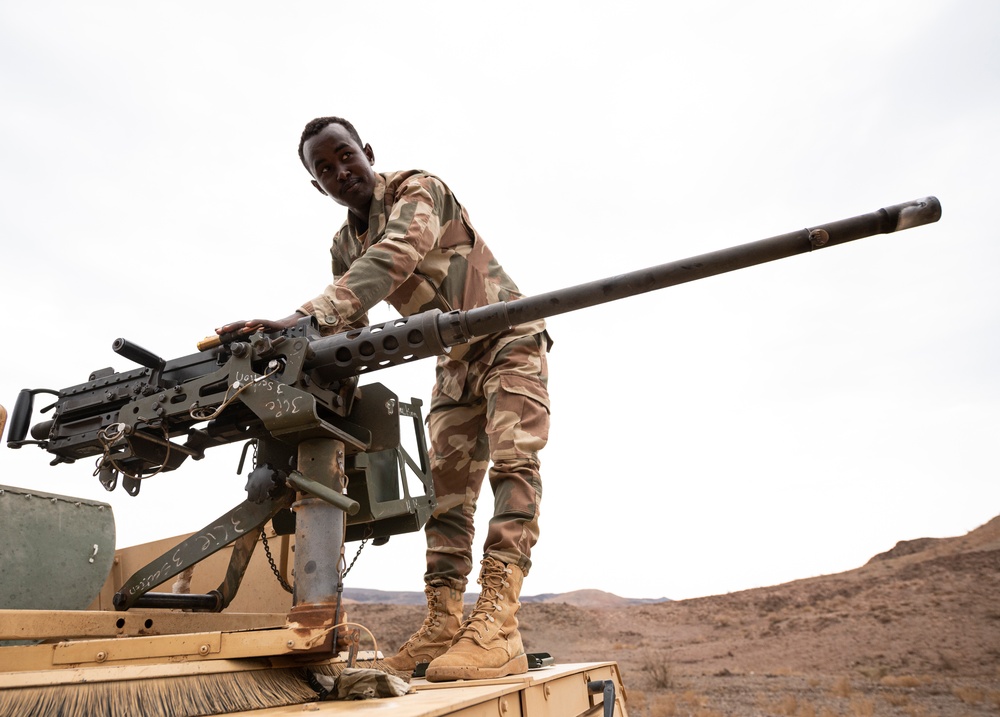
192 689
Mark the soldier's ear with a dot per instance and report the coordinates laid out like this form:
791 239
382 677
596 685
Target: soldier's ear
319 188
370 153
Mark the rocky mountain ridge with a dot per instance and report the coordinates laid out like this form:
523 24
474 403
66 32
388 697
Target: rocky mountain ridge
915 632
580 598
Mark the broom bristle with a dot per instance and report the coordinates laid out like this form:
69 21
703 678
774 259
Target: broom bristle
197 695
184 696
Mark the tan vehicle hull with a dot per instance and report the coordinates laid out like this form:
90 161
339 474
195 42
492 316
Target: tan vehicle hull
246 660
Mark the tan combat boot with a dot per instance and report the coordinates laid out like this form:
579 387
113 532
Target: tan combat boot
488 644
444 617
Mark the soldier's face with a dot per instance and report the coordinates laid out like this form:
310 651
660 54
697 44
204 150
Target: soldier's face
341 169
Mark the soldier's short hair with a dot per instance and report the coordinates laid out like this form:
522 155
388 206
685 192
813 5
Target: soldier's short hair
314 127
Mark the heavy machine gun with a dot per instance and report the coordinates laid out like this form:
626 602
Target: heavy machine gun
327 448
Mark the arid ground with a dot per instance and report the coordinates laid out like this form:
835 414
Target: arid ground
915 632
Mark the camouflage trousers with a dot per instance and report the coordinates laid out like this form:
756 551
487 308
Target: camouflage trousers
501 417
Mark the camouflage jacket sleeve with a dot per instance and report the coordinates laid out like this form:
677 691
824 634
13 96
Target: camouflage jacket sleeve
411 229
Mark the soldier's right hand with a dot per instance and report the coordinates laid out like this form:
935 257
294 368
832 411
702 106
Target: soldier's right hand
235 329
247 327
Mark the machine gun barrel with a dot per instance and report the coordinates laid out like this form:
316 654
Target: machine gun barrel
433 333
299 369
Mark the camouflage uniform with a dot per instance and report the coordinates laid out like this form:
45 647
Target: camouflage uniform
489 401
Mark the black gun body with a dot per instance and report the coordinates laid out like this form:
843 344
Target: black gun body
296 384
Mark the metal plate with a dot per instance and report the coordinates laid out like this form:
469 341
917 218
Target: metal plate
57 550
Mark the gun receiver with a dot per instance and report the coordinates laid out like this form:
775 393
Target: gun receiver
295 390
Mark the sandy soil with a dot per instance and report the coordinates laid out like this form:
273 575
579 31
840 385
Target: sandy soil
914 633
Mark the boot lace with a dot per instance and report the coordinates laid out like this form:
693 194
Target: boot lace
434 614
493 580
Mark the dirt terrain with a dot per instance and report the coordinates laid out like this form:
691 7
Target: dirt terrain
915 632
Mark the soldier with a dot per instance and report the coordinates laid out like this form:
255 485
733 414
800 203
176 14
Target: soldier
409 241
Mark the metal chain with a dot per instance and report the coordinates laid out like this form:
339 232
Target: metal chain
267 547
263 536
356 556
270 560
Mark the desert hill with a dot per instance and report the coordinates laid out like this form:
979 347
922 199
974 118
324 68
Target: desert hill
914 632
580 598
588 598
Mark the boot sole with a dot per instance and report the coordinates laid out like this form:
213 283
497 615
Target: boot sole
406 664
517 666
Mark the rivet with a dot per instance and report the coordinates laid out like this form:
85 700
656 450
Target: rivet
819 237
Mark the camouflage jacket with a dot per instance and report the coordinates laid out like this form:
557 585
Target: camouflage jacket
420 252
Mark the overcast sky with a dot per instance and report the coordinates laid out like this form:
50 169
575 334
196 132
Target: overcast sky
777 423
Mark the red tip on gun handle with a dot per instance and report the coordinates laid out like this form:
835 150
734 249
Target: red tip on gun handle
210 342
